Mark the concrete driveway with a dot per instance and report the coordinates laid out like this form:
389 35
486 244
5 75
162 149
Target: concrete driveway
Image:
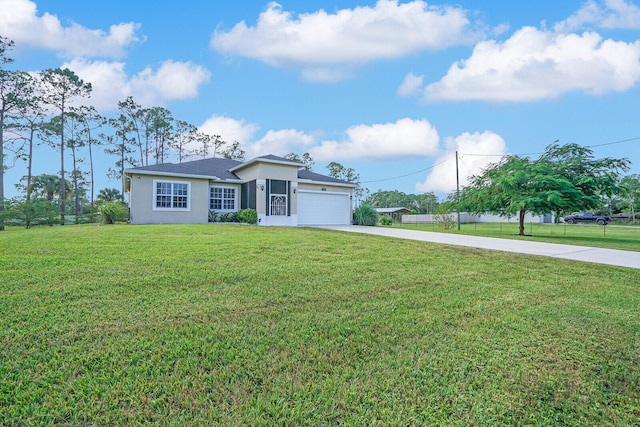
576 253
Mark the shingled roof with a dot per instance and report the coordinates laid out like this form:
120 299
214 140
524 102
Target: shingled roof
312 176
222 169
215 167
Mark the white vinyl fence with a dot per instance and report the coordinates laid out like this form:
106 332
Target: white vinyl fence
467 218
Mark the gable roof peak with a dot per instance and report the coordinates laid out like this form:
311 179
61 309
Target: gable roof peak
269 158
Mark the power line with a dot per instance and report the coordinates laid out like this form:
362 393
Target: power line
541 152
487 155
614 142
409 174
490 155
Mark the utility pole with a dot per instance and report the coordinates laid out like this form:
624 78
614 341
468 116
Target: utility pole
457 190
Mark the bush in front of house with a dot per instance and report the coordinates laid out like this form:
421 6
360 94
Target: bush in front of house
229 217
386 221
223 216
249 216
112 212
365 215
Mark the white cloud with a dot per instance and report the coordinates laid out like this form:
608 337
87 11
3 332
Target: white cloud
172 81
613 14
281 142
411 85
230 130
19 22
404 138
476 151
110 83
324 43
535 64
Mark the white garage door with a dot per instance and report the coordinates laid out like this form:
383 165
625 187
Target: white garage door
320 208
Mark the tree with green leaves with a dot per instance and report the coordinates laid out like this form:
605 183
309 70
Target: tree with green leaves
74 132
161 130
204 142
139 123
418 203
305 159
233 151
26 123
120 145
13 85
631 191
564 179
338 171
186 135
217 143
110 195
91 122
47 186
60 87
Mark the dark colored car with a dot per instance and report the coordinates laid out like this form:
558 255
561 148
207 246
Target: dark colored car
587 217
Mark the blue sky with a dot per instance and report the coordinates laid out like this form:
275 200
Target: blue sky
389 88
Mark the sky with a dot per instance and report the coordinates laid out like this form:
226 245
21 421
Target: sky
392 89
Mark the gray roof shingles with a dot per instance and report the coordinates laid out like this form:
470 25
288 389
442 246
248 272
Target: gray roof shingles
213 167
219 168
305 174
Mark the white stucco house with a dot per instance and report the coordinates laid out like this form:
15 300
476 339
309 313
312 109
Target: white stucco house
280 190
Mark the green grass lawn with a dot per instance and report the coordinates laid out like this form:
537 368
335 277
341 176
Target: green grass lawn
245 325
612 236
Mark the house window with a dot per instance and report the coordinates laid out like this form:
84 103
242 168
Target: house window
278 203
223 199
171 195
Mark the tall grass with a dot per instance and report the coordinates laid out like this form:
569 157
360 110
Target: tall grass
244 325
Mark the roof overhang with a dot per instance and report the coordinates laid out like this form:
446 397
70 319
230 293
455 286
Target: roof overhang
392 210
130 172
334 184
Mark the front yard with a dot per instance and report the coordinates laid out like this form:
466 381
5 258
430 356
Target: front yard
236 325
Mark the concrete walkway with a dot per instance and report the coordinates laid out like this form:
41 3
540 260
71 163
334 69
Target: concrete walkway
576 253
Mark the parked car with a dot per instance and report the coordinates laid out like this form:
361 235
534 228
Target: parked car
587 217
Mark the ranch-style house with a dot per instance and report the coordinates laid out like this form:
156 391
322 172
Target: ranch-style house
280 190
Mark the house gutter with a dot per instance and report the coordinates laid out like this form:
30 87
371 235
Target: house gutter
336 184
129 173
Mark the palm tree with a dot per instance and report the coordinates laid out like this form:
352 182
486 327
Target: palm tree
48 186
110 195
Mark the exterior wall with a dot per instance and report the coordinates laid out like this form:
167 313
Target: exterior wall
142 195
142 201
268 171
294 200
327 187
261 201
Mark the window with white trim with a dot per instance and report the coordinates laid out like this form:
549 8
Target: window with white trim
223 199
171 195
